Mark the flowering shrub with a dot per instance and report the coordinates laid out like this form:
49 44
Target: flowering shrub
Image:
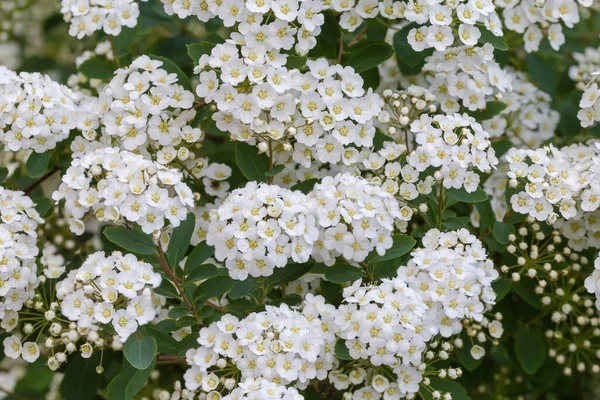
299 199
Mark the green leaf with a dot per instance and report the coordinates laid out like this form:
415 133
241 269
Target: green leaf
486 215
295 62
122 42
81 379
342 273
96 68
501 232
446 386
488 37
284 275
305 186
172 68
492 108
167 289
3 174
37 163
461 195
201 272
132 240
276 169
201 253
526 290
140 351
542 74
464 355
196 50
165 343
402 245
455 223
369 56
502 287
180 240
128 382
341 351
530 348
213 287
43 206
253 165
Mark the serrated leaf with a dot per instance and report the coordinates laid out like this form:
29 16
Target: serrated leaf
96 68
343 273
140 351
402 244
180 240
132 240
530 348
253 165
37 163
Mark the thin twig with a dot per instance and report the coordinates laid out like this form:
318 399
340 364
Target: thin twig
40 180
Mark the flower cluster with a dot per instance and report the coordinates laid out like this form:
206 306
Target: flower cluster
260 227
120 186
323 109
114 290
354 217
585 74
35 112
589 113
18 272
465 75
528 119
536 19
559 186
141 109
453 275
592 282
89 16
279 344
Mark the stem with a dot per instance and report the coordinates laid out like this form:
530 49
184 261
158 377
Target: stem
358 36
112 46
40 180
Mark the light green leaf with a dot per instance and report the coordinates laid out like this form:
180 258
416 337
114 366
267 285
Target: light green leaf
140 351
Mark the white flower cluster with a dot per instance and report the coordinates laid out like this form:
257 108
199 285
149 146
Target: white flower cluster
585 74
113 290
592 282
323 109
528 120
538 18
589 104
560 186
454 145
121 186
454 277
279 344
463 18
385 325
89 16
35 112
18 272
141 107
467 76
354 217
260 227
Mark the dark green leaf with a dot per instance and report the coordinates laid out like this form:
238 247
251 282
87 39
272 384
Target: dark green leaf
166 343
492 108
95 68
37 163
140 351
132 240
446 386
81 379
295 62
167 289
402 245
405 52
305 186
370 56
342 273
496 41
461 195
530 348
284 275
128 382
502 231
201 272
213 287
253 165
123 41
526 290
464 355
3 174
502 287
201 253
43 206
541 73
180 240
